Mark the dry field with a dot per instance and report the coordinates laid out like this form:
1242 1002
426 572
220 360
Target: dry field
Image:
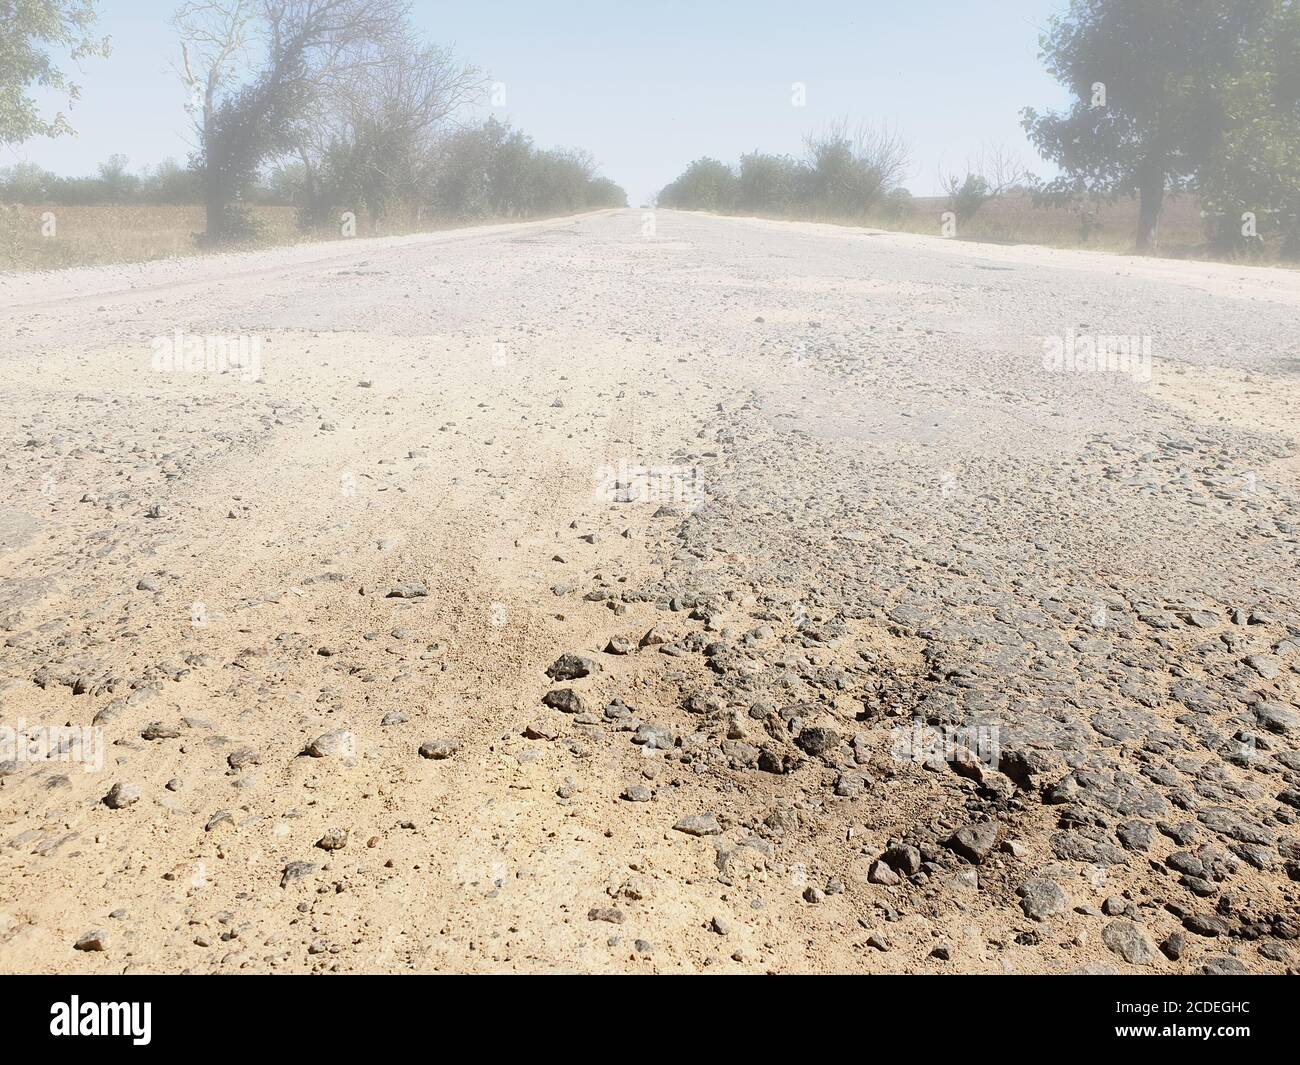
95 235
103 234
1015 220
98 235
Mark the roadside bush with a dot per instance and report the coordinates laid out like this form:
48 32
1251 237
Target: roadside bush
773 184
851 170
494 171
965 198
706 185
844 174
113 183
897 204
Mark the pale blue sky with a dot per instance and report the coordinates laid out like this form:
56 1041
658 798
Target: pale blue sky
648 87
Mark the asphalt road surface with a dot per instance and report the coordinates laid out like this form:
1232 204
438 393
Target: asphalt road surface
909 605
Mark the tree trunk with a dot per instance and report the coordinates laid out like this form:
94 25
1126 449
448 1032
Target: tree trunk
311 211
1151 193
213 198
214 210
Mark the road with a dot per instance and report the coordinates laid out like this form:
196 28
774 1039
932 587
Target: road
902 636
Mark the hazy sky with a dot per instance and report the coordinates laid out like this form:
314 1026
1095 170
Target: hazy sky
648 87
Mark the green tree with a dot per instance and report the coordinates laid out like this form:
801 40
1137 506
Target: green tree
990 175
368 139
1149 109
1250 188
770 183
247 108
705 185
470 183
604 192
494 171
169 182
850 169
32 30
117 183
25 183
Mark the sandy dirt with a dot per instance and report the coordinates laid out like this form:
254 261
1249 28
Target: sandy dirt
900 650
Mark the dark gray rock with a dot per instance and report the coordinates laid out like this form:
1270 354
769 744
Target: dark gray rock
1041 898
975 842
565 700
408 590
297 871
1130 942
817 741
437 750
120 796
904 858
95 940
571 667
705 824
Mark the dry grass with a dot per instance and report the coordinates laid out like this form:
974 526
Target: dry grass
93 235
1014 219
87 236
